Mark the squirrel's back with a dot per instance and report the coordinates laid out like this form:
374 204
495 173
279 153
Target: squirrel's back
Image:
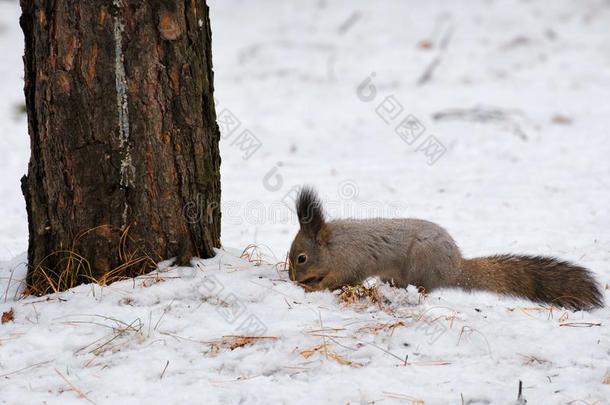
401 251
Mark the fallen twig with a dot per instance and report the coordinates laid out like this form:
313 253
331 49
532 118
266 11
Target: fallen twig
163 372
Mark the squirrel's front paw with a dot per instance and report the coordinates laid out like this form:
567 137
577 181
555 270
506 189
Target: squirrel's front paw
328 282
312 287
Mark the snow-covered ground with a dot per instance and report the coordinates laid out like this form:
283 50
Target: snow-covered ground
517 100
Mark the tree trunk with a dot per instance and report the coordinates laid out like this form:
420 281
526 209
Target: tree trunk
124 170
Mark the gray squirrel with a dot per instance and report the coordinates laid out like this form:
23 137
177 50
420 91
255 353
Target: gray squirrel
403 251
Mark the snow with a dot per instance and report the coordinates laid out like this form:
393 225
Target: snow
535 180
451 345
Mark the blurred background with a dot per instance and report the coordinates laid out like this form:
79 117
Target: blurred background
488 117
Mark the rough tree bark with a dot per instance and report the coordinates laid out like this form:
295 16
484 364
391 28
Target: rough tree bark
124 169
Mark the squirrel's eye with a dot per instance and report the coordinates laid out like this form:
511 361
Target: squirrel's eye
301 258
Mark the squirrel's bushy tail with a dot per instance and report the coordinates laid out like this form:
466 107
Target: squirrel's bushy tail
538 278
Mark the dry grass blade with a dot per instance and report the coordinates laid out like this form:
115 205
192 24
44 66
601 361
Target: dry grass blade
70 269
74 388
252 253
114 341
581 324
430 363
134 267
379 327
530 360
360 295
467 331
64 269
323 348
412 400
25 368
283 265
9 284
232 342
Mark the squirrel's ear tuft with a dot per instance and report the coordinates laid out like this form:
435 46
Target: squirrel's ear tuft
309 211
